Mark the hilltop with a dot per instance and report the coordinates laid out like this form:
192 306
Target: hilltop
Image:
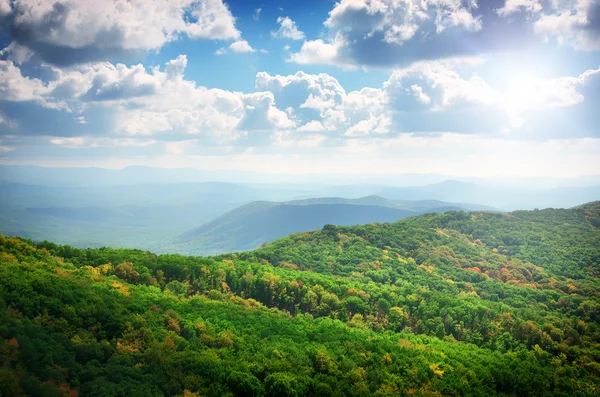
251 225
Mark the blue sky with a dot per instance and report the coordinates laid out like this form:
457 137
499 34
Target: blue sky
461 87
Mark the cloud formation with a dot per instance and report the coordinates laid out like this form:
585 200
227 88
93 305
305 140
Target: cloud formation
241 46
388 33
287 30
131 105
573 22
72 31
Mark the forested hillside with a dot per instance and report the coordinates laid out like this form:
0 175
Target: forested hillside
449 304
251 225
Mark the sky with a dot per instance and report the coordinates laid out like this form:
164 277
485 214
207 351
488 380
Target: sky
457 87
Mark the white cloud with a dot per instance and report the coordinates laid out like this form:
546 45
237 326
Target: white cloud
437 85
256 14
418 93
141 102
73 31
261 114
440 90
353 23
572 22
5 8
533 94
15 87
388 33
514 6
398 34
316 93
221 51
161 104
575 23
374 124
397 19
455 13
312 126
322 52
322 104
241 46
288 30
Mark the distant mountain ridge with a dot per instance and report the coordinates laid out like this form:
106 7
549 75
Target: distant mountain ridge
253 224
134 175
109 212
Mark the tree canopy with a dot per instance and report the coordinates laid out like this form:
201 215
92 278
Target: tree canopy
440 304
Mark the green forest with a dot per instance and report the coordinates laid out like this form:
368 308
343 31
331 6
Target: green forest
441 304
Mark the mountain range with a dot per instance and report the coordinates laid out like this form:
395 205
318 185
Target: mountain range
166 211
251 225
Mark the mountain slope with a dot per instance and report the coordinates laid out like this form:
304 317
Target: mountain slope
142 216
506 198
438 304
256 223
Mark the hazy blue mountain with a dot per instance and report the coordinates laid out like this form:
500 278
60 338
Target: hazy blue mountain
505 198
251 225
133 175
91 207
140 216
144 194
248 229
318 185
144 227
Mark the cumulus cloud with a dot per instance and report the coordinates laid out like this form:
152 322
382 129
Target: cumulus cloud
241 46
438 86
98 82
372 125
312 126
321 104
72 31
140 102
392 33
572 22
375 32
439 89
514 6
323 52
15 87
261 113
523 98
132 102
287 30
